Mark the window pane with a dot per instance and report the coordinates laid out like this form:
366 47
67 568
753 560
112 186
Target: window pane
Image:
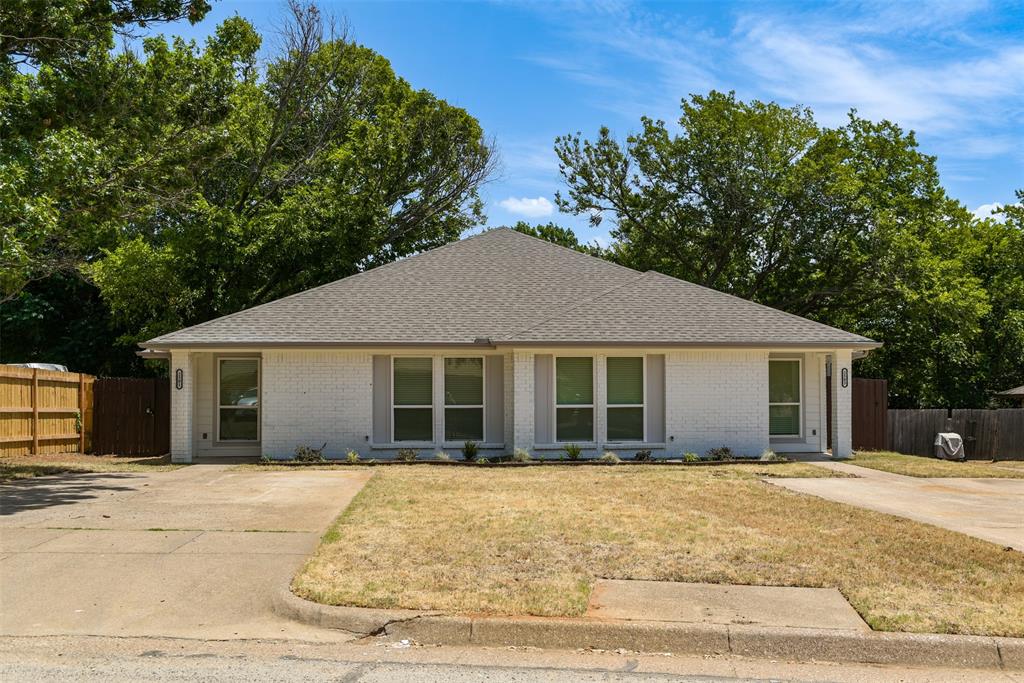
461 424
783 420
625 424
574 381
625 380
783 381
414 424
413 381
239 424
464 381
239 379
574 424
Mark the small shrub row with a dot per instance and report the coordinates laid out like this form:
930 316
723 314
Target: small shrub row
573 452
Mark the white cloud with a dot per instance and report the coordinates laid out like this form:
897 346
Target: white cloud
531 207
985 210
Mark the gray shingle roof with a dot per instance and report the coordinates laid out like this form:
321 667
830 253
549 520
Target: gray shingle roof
510 288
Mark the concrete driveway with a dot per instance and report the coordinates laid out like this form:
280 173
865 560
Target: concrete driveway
989 509
188 553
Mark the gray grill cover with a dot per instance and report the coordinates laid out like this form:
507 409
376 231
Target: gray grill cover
949 445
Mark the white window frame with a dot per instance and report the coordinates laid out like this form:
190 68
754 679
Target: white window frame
642 405
430 405
593 399
259 400
482 406
800 390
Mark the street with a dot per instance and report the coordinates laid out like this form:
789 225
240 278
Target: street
82 658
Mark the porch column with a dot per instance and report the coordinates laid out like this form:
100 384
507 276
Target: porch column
181 405
522 400
842 435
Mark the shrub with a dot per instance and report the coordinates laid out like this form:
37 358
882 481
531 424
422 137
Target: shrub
720 453
768 455
407 454
610 458
521 455
307 454
690 456
351 457
469 451
482 460
442 456
573 451
265 459
643 456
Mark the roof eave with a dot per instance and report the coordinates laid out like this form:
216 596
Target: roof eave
487 343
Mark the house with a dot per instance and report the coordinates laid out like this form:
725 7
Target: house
512 342
1017 393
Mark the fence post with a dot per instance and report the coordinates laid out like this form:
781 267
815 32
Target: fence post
35 411
81 414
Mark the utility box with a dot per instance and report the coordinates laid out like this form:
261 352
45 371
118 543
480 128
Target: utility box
949 446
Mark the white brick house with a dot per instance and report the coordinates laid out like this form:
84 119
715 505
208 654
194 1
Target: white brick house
511 342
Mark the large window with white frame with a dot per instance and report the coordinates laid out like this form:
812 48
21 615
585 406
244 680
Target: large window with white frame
574 399
784 406
625 404
238 399
464 399
412 400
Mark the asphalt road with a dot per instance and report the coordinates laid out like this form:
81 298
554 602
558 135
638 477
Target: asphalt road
40 659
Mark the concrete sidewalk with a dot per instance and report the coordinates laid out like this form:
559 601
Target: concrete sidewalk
193 553
989 509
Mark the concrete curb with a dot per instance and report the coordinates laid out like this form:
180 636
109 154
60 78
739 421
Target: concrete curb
799 644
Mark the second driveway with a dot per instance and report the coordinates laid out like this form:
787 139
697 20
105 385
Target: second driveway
989 509
189 553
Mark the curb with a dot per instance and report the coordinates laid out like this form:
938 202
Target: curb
800 644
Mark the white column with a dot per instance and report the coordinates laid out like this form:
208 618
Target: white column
842 435
522 400
181 405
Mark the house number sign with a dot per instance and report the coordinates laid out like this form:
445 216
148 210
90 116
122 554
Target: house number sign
179 378
845 374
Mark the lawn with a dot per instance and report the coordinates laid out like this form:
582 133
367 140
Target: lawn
917 466
28 466
532 541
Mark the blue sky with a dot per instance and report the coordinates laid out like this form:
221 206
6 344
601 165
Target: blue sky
951 71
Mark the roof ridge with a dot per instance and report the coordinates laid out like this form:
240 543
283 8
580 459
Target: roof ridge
575 252
582 302
382 266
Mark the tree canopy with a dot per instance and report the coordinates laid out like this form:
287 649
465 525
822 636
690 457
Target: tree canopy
190 182
849 226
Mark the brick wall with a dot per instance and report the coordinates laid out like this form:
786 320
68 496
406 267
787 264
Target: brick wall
313 397
181 407
716 398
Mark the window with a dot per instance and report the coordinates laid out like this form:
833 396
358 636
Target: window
463 399
626 399
784 398
574 399
238 399
412 399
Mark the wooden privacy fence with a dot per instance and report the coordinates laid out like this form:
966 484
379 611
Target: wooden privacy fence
869 410
133 416
44 411
987 434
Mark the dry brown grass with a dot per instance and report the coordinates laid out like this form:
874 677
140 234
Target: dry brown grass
532 541
917 466
28 466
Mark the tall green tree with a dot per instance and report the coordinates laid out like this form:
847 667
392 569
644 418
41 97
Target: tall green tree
847 225
556 234
193 182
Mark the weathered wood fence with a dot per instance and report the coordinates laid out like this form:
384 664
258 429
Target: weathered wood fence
44 411
987 434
